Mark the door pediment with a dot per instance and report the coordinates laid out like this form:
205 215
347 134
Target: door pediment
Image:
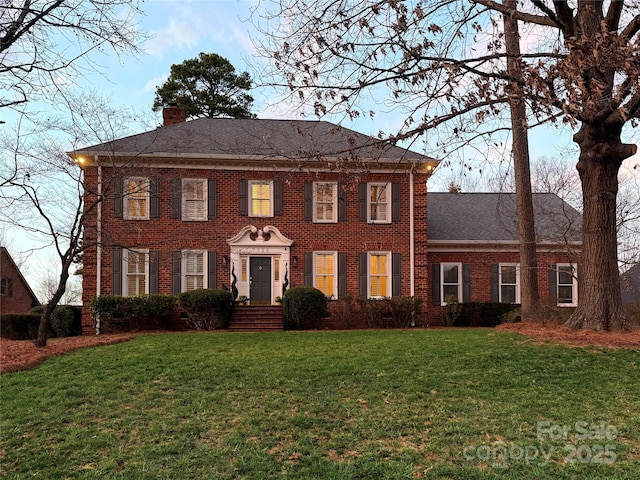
252 236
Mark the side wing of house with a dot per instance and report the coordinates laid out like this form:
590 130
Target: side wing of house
15 294
473 250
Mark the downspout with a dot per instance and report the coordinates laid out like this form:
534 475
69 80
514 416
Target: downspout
99 239
411 236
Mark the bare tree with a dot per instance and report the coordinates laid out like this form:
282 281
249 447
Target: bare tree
46 197
443 65
42 41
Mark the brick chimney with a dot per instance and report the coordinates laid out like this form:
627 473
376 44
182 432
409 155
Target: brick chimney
172 114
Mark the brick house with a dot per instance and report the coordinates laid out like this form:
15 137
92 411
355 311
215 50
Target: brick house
259 205
15 294
473 249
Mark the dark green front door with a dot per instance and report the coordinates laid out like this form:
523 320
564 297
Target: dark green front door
260 280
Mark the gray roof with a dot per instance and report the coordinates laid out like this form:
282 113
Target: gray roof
492 217
254 137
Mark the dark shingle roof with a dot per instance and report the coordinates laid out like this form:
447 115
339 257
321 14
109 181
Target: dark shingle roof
253 137
492 217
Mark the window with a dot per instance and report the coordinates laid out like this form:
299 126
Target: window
325 269
325 202
451 286
194 199
509 283
136 198
193 274
378 206
260 199
567 285
6 287
136 273
379 278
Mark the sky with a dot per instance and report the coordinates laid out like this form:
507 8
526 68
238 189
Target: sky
181 29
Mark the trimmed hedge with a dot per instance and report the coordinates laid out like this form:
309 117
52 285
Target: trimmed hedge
124 314
303 308
66 320
207 308
479 314
19 326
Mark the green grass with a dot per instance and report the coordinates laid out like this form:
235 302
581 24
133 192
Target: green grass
460 404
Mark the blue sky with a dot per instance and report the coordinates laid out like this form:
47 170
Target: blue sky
181 29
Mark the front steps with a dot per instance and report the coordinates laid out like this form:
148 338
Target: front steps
256 318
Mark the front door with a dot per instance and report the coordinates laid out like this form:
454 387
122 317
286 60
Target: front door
260 280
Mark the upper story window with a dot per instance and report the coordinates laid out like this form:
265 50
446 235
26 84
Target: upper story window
325 202
194 199
260 198
450 286
567 285
325 273
193 271
509 280
379 277
6 287
136 198
136 272
379 204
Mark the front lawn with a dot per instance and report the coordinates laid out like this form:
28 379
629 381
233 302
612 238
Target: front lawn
460 404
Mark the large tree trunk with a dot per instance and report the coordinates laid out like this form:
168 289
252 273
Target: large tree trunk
599 297
529 295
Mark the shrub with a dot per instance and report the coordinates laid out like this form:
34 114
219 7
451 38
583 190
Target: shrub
375 311
66 320
303 308
19 326
403 310
122 314
207 308
482 314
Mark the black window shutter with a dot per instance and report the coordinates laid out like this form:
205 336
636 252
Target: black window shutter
9 286
116 272
396 270
435 284
176 198
553 285
243 203
176 273
308 201
395 202
308 269
495 282
154 283
363 276
342 275
212 200
362 202
154 200
211 269
466 282
342 203
277 197
117 197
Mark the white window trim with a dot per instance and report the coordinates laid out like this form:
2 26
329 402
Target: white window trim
183 268
574 285
125 198
442 284
205 195
334 186
125 271
250 197
517 265
369 255
387 188
334 293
